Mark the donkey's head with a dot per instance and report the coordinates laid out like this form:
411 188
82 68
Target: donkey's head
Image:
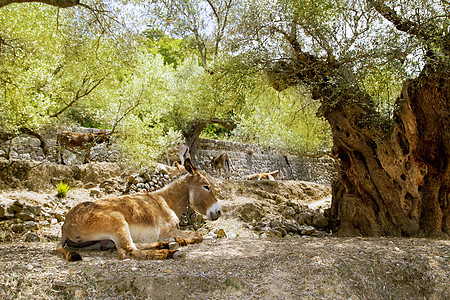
201 196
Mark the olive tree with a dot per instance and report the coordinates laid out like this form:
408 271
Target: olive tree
394 176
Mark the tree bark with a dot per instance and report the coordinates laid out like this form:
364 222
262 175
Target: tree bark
394 179
193 134
396 183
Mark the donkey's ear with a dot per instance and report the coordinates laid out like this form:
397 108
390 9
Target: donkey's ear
189 166
180 168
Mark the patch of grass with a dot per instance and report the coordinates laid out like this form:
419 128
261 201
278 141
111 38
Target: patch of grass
62 190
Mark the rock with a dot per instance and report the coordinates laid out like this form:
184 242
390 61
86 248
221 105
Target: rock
308 230
2 211
31 225
59 217
131 178
319 221
95 192
18 228
15 207
279 232
5 209
138 179
147 176
305 218
184 220
32 237
220 233
89 185
26 215
250 212
36 210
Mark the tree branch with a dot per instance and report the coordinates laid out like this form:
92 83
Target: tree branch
230 125
79 94
57 3
427 33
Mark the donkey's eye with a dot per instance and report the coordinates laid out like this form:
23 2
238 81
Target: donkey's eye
206 187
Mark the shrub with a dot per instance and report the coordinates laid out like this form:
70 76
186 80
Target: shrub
62 190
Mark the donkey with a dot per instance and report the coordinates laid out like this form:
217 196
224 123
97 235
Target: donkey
142 224
267 175
72 140
177 153
221 162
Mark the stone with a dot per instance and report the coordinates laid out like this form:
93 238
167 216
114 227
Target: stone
15 207
59 217
131 178
95 192
4 210
320 221
32 237
308 230
220 233
26 215
280 232
18 228
305 218
36 210
184 220
31 225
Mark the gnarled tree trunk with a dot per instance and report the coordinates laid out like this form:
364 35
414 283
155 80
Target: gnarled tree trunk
396 183
394 179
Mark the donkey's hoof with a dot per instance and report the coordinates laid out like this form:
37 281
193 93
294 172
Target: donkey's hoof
173 245
171 253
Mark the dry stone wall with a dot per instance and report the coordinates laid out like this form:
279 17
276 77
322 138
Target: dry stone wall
249 159
245 159
28 148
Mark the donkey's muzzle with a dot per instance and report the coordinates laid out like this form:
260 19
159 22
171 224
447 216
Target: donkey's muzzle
214 212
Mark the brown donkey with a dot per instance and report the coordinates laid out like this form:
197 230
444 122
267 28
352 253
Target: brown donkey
140 225
267 175
81 140
221 162
177 153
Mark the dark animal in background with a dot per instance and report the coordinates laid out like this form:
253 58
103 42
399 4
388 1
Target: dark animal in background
177 153
73 140
221 162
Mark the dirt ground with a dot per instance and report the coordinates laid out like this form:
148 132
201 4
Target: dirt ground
238 268
243 265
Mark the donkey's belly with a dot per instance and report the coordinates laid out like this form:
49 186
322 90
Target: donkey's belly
144 234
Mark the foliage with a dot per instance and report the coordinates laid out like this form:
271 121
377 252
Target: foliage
174 51
70 67
285 120
27 65
50 65
62 190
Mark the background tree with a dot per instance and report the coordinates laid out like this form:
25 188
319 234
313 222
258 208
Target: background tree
53 65
206 23
286 120
394 174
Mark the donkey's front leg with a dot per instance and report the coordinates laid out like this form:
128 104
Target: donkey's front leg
156 245
184 238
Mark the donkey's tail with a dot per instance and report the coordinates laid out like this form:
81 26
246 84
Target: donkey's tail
67 254
228 163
